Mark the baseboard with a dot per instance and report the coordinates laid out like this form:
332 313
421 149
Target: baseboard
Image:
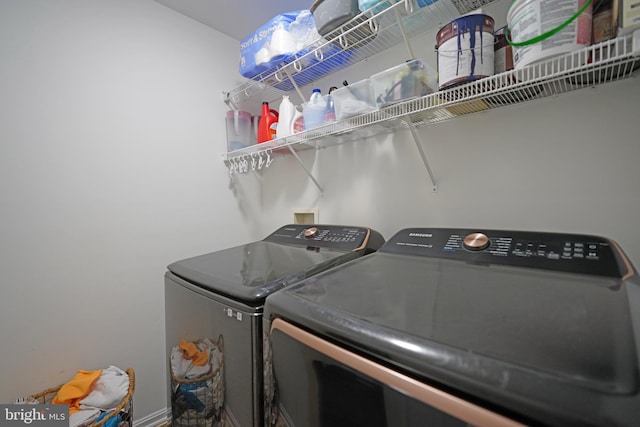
156 419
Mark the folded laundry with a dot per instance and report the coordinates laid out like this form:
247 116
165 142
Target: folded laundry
75 390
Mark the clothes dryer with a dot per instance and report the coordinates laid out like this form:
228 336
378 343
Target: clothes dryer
458 327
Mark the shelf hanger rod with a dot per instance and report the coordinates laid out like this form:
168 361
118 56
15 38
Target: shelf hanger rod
315 181
416 139
227 100
295 85
409 7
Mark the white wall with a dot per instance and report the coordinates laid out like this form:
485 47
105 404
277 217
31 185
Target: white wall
111 130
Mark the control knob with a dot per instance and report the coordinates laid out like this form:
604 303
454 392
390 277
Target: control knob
310 232
476 241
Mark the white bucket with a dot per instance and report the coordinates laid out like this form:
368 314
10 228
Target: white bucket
465 50
530 21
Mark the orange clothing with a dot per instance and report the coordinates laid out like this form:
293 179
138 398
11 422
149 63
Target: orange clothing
75 390
190 352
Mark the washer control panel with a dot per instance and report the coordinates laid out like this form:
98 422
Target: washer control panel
575 253
327 236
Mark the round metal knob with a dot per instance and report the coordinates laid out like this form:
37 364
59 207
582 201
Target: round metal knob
476 241
310 232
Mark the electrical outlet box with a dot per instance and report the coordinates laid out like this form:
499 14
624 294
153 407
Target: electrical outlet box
305 216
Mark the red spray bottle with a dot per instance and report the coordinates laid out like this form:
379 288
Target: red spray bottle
267 124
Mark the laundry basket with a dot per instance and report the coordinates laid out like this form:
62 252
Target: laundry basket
125 408
199 401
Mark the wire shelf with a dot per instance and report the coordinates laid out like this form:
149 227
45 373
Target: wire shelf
362 37
605 62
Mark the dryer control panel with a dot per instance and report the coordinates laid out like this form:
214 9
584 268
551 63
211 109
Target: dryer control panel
337 237
574 253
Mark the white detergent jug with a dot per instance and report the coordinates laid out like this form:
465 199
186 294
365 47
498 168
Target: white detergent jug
286 114
297 124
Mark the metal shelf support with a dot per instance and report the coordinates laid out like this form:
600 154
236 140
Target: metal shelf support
416 139
313 179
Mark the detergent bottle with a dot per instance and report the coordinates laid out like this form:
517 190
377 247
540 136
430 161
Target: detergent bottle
267 124
297 124
314 110
330 109
285 117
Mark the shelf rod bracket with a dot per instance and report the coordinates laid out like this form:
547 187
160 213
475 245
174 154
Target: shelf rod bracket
416 139
295 85
315 181
227 100
402 29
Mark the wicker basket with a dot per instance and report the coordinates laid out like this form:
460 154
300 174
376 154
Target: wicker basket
206 391
126 406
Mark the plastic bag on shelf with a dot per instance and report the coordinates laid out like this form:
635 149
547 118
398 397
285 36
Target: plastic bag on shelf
275 41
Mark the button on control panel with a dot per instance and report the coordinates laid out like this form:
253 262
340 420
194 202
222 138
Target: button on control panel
338 237
343 235
553 251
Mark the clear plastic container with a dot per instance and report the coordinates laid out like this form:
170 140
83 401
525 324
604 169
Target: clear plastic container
238 130
357 98
405 81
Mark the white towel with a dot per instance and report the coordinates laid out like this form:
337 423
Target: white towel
109 390
183 368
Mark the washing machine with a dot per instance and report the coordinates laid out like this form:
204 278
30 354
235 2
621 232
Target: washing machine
220 296
458 327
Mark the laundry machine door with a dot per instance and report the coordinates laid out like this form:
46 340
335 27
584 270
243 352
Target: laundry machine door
323 384
192 313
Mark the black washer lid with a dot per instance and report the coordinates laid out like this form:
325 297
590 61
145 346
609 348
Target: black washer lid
577 329
514 335
250 272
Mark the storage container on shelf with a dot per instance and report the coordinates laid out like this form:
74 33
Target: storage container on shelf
238 130
412 79
376 6
543 29
314 110
354 99
465 50
331 15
